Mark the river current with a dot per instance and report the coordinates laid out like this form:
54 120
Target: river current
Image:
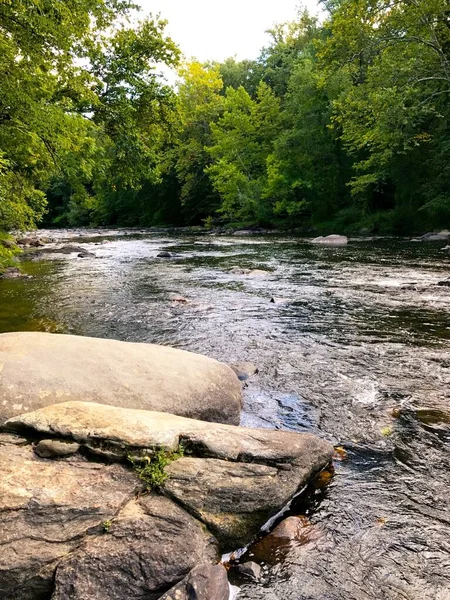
355 346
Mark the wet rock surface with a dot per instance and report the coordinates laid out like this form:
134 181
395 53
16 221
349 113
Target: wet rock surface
204 582
40 369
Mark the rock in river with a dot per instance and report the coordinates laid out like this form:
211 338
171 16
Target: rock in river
331 240
205 582
244 370
40 369
232 478
85 530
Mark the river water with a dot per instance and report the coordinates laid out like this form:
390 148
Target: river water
355 347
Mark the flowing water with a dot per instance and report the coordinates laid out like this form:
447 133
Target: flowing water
355 347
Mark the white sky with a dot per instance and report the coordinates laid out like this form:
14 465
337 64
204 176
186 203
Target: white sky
211 30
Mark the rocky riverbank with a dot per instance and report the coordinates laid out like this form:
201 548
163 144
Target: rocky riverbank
101 502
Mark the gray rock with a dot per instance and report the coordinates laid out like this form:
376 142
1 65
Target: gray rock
244 370
432 236
85 255
55 448
119 430
25 241
46 508
66 249
9 244
11 273
149 547
204 582
331 240
251 570
250 272
235 500
40 369
36 243
281 301
164 255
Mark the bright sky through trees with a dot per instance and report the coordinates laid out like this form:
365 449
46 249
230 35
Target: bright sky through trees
211 30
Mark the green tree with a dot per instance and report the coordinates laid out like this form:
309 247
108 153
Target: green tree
200 105
242 141
390 66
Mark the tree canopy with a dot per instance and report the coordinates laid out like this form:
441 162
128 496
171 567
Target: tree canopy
340 124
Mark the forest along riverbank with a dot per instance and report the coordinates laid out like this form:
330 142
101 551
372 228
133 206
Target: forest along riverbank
356 344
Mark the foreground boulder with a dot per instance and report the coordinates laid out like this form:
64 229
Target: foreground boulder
233 499
150 545
233 479
331 240
46 508
40 369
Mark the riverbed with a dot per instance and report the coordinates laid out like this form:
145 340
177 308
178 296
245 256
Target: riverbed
351 343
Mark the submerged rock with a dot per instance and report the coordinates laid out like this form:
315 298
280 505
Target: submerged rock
164 255
244 370
293 531
250 272
178 299
331 240
251 570
204 582
40 369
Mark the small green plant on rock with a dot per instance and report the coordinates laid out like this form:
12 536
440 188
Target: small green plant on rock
151 469
106 526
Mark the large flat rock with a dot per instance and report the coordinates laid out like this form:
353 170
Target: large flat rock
46 508
232 478
150 546
40 369
117 430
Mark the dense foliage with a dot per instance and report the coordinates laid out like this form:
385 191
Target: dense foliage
342 124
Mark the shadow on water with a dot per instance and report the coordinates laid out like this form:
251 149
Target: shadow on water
355 347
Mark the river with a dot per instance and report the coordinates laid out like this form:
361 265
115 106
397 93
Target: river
355 347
